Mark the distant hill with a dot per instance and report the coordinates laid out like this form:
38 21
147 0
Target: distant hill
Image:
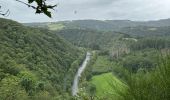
35 62
105 24
146 31
141 28
98 34
90 38
114 25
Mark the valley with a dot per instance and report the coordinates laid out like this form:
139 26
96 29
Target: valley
85 60
124 61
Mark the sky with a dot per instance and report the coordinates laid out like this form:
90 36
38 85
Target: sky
137 10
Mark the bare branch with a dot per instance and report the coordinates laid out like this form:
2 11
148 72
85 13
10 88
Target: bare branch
4 13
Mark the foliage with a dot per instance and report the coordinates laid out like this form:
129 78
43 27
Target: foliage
133 28
93 39
27 81
37 60
153 85
41 6
146 59
11 90
152 42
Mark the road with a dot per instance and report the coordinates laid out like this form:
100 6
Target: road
78 74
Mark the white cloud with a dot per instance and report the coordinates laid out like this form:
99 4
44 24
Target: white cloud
93 9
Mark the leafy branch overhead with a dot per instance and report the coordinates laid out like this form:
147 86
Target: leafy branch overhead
41 6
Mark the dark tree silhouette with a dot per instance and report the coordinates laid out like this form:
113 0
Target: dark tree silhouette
40 7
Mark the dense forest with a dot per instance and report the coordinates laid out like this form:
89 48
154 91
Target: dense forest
35 63
89 38
140 28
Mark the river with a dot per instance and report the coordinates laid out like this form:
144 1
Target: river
78 74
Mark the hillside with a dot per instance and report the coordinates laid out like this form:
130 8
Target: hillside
134 28
89 38
105 24
144 31
113 25
104 86
35 63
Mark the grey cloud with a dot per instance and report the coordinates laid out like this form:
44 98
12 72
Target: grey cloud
93 9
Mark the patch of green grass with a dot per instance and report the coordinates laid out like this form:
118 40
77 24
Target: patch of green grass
55 27
108 86
102 65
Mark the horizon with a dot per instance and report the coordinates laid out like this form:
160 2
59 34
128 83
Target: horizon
89 19
134 10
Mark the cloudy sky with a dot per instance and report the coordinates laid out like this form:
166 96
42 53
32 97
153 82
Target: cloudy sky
92 9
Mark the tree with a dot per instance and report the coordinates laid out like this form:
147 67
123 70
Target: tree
28 81
11 90
40 7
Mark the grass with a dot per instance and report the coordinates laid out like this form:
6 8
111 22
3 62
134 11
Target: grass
102 65
108 85
55 27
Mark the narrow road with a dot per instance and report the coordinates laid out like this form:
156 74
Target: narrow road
78 74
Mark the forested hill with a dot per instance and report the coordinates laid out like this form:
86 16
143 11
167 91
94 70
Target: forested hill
139 28
89 38
34 63
104 24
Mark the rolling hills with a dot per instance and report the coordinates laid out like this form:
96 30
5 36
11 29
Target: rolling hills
124 26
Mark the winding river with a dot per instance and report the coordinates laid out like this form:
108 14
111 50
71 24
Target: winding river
78 74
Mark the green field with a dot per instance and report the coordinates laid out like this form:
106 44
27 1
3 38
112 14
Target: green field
55 27
108 85
102 65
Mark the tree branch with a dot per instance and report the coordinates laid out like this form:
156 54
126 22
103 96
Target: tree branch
5 13
41 6
26 4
